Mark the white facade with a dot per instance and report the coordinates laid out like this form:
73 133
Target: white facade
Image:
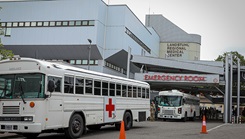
175 43
43 28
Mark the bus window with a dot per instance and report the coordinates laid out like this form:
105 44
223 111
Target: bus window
105 88
143 92
57 82
89 86
97 87
124 90
112 89
69 84
139 92
79 86
130 91
118 89
135 92
5 87
147 93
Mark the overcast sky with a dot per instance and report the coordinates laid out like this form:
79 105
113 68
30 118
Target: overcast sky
221 23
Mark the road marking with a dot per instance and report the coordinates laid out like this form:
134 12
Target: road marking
216 127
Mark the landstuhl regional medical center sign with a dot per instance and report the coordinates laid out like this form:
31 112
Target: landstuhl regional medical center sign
181 78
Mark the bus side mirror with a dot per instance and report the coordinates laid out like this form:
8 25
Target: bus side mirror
183 100
51 86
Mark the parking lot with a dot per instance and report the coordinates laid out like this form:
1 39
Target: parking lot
159 130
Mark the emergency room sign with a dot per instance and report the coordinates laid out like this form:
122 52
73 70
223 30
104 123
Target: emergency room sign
109 109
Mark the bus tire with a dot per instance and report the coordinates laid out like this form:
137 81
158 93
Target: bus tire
185 118
128 120
30 135
75 128
194 117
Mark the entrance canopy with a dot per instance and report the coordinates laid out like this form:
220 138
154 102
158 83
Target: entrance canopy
199 77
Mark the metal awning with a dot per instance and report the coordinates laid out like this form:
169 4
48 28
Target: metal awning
59 52
154 64
120 59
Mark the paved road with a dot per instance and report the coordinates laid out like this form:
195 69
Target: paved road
160 130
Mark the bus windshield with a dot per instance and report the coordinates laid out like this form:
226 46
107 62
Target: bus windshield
170 101
29 85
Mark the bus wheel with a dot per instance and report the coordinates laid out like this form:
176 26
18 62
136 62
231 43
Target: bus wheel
94 127
30 135
76 127
185 118
128 121
194 117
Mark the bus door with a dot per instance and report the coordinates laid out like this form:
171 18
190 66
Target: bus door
55 104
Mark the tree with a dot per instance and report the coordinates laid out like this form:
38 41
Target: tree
235 55
4 53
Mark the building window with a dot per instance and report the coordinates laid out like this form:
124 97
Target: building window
114 67
52 23
85 62
48 23
15 24
85 23
65 23
72 62
96 62
78 23
33 24
27 24
3 24
45 24
71 23
78 62
39 24
9 24
21 24
91 23
137 40
58 23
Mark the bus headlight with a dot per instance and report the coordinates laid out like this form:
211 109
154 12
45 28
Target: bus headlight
28 119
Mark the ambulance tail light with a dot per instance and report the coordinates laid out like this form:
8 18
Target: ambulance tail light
179 110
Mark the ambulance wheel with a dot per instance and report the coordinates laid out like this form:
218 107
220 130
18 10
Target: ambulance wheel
76 127
128 120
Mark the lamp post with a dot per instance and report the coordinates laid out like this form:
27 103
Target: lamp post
89 51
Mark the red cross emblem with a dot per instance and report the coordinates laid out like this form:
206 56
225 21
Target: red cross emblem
110 107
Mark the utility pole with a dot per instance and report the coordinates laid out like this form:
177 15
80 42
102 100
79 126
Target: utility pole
89 51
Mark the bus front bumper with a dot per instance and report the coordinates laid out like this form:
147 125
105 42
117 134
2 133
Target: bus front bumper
20 127
169 116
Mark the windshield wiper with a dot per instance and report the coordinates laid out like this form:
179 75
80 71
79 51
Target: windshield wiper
22 93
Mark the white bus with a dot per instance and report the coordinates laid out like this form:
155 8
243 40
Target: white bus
177 105
38 96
